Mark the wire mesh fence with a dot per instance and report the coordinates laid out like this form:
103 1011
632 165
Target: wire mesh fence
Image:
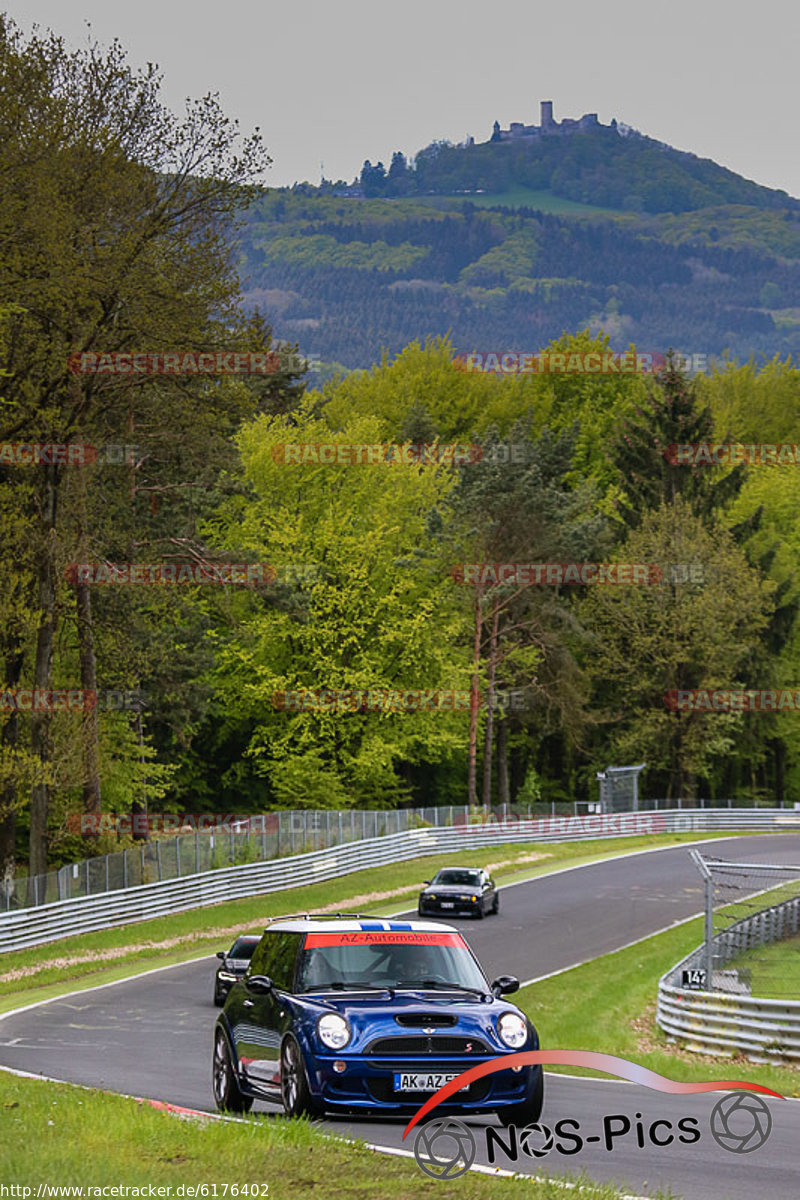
751 945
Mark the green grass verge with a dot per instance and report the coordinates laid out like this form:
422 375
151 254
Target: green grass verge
608 1005
774 969
84 960
58 1134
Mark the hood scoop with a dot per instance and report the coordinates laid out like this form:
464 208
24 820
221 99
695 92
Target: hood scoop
416 1020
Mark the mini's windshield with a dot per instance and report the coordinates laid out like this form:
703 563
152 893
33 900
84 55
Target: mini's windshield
444 958
459 878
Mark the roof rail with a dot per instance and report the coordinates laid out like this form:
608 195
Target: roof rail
335 916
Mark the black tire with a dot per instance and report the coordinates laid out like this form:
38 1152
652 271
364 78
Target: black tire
420 911
219 997
480 914
295 1094
496 905
228 1096
528 1111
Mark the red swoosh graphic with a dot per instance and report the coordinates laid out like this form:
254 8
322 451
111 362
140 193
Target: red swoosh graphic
609 1063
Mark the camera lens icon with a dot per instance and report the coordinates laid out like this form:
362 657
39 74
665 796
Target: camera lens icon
741 1123
444 1148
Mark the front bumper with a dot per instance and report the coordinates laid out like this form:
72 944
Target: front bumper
367 1083
448 908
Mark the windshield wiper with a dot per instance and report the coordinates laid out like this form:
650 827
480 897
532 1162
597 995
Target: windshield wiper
439 984
340 985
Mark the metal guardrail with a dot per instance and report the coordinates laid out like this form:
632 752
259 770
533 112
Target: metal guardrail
726 1021
210 844
49 922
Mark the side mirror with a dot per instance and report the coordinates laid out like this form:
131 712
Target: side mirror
427 882
261 984
221 954
504 985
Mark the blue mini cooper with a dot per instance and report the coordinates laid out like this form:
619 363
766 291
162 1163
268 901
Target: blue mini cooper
353 1014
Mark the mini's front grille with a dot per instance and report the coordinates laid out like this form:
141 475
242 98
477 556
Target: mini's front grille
436 1044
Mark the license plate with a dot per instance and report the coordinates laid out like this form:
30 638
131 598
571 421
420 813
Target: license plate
421 1082
448 904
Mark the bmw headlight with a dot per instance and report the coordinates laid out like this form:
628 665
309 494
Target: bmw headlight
228 976
333 1031
512 1030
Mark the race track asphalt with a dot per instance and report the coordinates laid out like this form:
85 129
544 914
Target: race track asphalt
151 1036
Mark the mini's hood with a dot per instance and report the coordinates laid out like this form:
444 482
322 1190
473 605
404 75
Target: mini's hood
361 1006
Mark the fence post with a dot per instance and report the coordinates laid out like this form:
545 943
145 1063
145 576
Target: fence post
88 888
142 850
196 852
327 828
305 828
107 888
178 854
709 947
125 869
158 860
263 836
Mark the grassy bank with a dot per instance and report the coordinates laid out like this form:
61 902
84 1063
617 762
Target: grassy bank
60 1135
83 960
609 1005
774 969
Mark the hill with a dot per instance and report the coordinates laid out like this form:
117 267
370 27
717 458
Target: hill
506 244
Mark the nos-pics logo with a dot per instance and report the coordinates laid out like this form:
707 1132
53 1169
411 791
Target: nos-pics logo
446 1148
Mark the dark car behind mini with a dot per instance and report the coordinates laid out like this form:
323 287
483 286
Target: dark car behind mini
454 891
234 963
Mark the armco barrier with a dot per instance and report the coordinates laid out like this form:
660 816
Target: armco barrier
48 922
725 1022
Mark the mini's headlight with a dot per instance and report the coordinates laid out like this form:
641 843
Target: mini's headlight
512 1030
333 1031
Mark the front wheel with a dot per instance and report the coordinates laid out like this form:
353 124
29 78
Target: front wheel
480 913
528 1111
496 905
228 1096
295 1093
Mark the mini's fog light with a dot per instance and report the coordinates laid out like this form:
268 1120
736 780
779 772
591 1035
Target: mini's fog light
340 1066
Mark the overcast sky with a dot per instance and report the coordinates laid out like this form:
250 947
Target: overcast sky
338 81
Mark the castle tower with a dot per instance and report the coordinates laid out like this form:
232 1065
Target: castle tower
547 114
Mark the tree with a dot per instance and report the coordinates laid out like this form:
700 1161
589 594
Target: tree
375 616
129 209
675 635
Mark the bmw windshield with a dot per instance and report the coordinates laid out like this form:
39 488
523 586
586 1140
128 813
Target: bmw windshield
388 960
450 878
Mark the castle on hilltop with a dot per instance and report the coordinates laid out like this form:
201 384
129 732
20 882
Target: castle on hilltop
518 132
